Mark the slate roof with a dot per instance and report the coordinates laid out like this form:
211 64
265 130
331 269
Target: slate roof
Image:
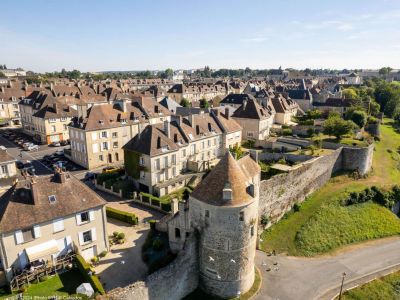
236 98
19 209
336 102
299 94
227 173
252 110
170 104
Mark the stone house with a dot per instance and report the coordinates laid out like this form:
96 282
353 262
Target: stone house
48 216
165 157
7 165
340 105
9 108
255 119
194 92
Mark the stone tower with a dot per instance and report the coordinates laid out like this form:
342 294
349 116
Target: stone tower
224 212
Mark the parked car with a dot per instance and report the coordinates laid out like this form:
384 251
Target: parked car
89 176
59 152
110 169
64 143
55 144
31 147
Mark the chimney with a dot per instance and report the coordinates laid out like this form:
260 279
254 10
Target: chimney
60 176
167 129
51 87
34 190
227 192
227 113
55 107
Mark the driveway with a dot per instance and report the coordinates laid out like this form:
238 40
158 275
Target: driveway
123 265
320 278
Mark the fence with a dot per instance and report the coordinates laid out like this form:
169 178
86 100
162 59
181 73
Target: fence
27 277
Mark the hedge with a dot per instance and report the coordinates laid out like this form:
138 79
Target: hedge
123 216
84 268
165 204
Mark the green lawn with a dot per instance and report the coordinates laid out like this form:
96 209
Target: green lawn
315 225
387 287
64 284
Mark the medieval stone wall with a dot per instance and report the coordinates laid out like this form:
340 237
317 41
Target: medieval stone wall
172 282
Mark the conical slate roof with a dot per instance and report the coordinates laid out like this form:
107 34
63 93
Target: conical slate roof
227 173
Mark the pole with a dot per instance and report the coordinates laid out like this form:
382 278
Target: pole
341 287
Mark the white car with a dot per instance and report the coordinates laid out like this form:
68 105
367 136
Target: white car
32 147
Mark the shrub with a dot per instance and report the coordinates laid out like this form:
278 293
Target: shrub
287 131
296 207
166 206
85 270
155 202
94 259
103 254
115 234
43 278
121 236
152 224
123 216
158 244
264 219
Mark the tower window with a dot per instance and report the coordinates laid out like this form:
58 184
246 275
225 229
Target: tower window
252 231
241 216
207 213
177 233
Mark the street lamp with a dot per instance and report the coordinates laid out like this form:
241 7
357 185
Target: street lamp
341 287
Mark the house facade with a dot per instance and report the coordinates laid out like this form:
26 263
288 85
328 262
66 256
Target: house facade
49 216
7 165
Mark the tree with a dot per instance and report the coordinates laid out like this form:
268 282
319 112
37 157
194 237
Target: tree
359 117
204 103
350 93
385 70
185 102
338 127
2 74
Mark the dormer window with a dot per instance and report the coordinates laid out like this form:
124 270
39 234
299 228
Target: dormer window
101 122
52 199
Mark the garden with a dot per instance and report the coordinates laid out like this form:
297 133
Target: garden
322 223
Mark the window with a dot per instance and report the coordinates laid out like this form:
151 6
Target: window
28 235
177 233
101 158
165 161
85 217
209 143
15 105
104 134
141 161
157 164
116 156
87 236
252 231
53 128
52 120
115 145
52 198
105 145
174 171
4 169
115 135
174 159
142 174
241 216
65 127
184 152
63 119
207 213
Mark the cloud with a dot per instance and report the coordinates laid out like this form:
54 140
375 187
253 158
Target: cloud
254 40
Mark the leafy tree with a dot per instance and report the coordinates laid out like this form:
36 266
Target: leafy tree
385 70
185 102
350 93
338 127
2 74
359 117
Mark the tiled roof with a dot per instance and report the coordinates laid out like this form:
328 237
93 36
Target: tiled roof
5 157
252 110
20 209
227 173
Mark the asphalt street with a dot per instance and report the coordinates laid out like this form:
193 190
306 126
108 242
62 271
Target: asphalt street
320 278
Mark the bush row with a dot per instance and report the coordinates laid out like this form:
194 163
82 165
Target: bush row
165 205
375 194
85 269
122 216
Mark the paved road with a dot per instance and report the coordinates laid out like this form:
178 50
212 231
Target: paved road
320 278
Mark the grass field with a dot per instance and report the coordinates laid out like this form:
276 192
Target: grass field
62 285
319 219
387 287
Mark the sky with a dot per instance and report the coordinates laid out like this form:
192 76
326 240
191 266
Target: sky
127 35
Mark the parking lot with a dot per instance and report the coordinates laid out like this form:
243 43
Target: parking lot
36 159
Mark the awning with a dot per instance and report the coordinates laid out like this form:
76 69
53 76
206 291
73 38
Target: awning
42 250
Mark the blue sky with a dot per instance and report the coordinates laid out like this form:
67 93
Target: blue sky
138 35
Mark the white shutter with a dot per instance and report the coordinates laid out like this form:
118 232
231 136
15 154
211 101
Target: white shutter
36 231
94 237
19 238
80 237
68 241
109 145
95 148
91 215
58 225
94 136
78 219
